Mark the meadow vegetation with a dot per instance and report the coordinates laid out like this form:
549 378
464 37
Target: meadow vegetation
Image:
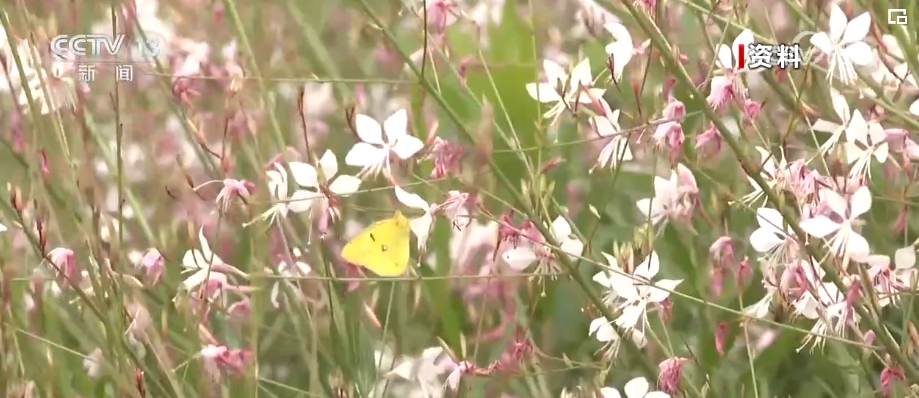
600 201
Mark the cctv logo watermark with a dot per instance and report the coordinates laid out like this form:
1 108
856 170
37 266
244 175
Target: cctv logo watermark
97 47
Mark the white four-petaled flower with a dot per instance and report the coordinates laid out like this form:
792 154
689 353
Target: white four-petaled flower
607 126
622 49
638 291
373 153
844 240
563 89
521 257
844 44
313 191
773 238
836 130
864 140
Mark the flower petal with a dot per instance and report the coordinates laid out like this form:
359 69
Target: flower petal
838 23
630 316
857 28
819 226
396 125
861 202
581 75
368 130
345 185
602 278
329 165
609 392
822 42
520 258
662 288
411 200
619 33
905 258
650 267
543 92
725 59
421 227
859 53
555 74
764 240
407 146
363 155
636 388
277 182
301 201
857 246
304 174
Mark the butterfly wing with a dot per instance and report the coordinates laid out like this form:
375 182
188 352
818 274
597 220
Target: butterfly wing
383 247
355 251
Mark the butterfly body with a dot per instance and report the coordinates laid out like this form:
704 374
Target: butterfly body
382 247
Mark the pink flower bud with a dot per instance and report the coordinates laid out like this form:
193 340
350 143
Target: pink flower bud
721 333
722 252
153 262
668 378
751 110
65 262
675 111
889 375
708 144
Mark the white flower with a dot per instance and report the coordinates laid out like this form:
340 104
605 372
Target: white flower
638 291
841 106
889 283
277 187
864 140
421 226
763 307
844 241
603 278
829 308
604 332
51 91
622 49
417 377
565 90
905 263
844 44
202 262
93 364
728 56
635 388
25 50
773 237
373 153
525 254
315 192
288 270
608 126
487 12
670 199
771 171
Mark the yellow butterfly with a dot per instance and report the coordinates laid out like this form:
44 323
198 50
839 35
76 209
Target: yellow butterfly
382 248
